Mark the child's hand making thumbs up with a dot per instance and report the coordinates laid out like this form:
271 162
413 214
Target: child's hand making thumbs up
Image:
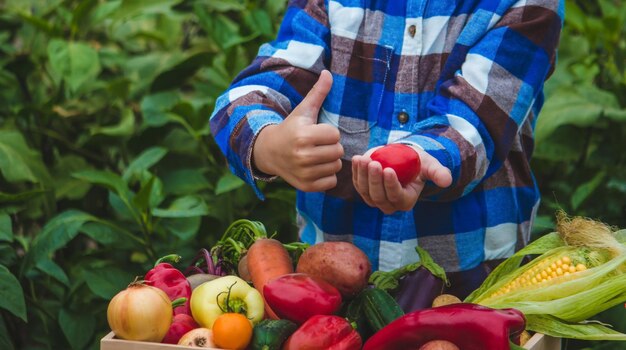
305 154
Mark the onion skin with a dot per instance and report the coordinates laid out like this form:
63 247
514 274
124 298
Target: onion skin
140 312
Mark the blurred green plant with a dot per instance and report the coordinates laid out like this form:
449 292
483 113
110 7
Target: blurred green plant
579 161
106 159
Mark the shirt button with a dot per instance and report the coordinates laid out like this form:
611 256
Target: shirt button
412 30
403 117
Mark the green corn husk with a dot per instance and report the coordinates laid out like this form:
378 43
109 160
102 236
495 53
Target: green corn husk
560 306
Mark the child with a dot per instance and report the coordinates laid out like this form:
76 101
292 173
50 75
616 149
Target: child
458 81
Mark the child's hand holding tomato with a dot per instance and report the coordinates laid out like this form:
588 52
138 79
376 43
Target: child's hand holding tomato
379 187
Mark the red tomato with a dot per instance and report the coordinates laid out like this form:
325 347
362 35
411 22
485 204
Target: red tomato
401 158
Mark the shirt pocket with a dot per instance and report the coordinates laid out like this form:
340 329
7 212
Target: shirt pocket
360 71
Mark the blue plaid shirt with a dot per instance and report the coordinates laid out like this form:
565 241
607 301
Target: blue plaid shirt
461 79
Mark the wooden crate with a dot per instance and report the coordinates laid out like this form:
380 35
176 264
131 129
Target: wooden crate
109 342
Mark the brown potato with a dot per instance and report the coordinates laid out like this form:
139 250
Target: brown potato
445 299
341 264
439 345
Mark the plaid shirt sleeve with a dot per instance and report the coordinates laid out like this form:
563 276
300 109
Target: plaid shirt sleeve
267 91
479 109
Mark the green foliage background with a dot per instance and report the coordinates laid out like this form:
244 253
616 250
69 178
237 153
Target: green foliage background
106 159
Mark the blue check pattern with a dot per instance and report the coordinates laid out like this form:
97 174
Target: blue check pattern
468 74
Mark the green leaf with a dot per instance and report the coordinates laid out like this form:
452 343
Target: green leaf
65 185
5 337
124 128
106 179
74 62
228 182
185 181
20 197
53 270
11 294
566 107
40 24
142 199
144 161
6 228
222 5
555 327
80 15
184 207
108 281
183 228
155 107
55 234
131 8
18 162
77 327
177 75
586 189
107 233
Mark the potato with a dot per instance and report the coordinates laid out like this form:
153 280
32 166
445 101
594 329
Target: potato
445 299
524 337
341 264
439 345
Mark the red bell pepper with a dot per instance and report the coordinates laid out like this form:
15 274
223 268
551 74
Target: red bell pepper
468 326
172 281
181 324
298 296
325 332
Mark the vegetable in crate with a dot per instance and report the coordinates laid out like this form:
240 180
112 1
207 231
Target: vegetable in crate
298 296
267 259
414 286
204 267
181 324
371 310
198 338
341 264
468 326
324 332
223 295
140 312
232 331
579 273
170 280
271 334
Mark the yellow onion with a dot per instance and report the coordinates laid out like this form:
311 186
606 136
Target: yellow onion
140 312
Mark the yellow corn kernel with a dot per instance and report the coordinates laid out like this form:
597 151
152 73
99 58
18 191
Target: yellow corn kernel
544 274
572 269
565 267
581 267
559 262
566 260
553 266
559 271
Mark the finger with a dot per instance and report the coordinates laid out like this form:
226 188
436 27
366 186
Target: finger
393 188
375 183
355 172
318 155
362 182
433 170
325 183
312 102
324 134
321 170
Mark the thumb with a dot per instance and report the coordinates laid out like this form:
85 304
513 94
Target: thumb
312 102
